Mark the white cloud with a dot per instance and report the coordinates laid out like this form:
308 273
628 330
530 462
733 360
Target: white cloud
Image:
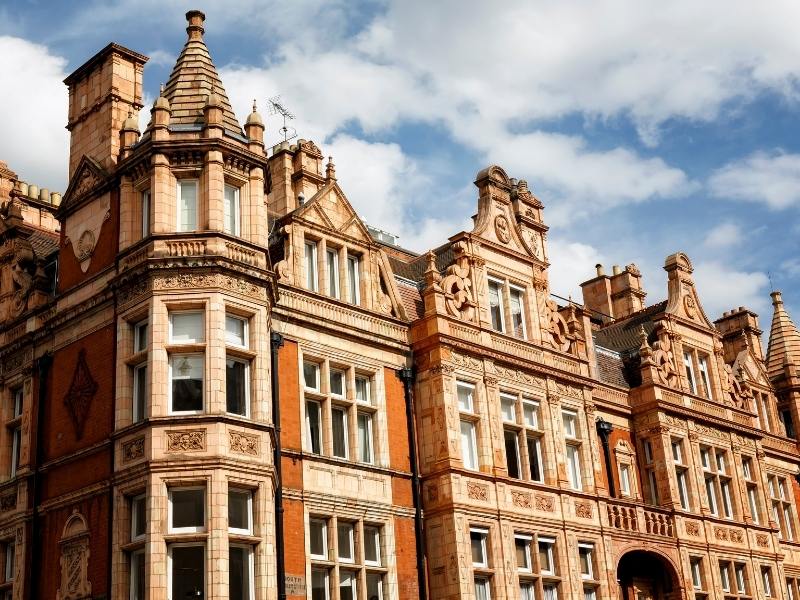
571 263
772 179
723 235
722 287
33 104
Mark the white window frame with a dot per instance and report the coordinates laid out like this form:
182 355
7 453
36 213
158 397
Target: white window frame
702 366
573 457
571 430
333 272
725 576
246 363
589 549
527 541
170 547
741 578
766 580
179 198
250 555
351 539
483 535
688 366
249 507
136 555
471 398
311 266
345 417
354 278
550 553
515 289
325 571
696 568
245 331
500 288
192 529
505 400
376 535
173 357
10 560
135 520
367 399
321 436
625 479
469 455
369 438
199 340
318 375
326 549
235 210
342 375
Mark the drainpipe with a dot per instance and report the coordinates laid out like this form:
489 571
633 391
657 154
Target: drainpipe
604 429
43 367
407 376
276 342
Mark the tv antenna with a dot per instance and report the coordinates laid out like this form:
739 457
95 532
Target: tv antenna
277 108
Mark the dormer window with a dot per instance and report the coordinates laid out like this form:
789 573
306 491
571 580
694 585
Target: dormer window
507 307
187 205
232 224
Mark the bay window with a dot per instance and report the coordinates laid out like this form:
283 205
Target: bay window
187 205
186 564
232 211
468 425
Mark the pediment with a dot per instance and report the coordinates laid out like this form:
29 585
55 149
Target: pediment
330 209
748 368
89 178
682 299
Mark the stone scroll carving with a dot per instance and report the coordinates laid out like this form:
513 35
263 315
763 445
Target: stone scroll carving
457 287
74 561
556 327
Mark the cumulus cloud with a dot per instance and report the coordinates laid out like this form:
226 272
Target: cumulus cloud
723 235
33 103
769 178
571 263
723 287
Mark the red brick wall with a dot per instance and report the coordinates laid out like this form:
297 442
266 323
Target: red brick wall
289 381
396 420
294 544
95 511
405 548
60 435
103 255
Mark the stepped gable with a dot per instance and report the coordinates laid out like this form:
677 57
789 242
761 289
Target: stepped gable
193 80
784 340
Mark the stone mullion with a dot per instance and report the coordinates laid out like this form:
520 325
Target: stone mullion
128 204
738 487
215 355
589 435
210 202
260 397
550 458
253 227
663 446
696 474
159 361
217 560
163 196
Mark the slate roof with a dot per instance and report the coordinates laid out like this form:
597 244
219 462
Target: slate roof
623 335
44 243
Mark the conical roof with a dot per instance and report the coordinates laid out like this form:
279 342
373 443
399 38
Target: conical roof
193 80
784 340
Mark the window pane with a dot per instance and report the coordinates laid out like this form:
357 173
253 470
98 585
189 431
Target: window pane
333 273
337 382
569 419
372 545
347 586
139 388
187 206
517 315
318 538
231 224
239 572
353 279
585 555
365 437
362 389
574 466
140 332
478 544
512 453
188 571
550 592
235 329
188 508
145 214
319 584
535 458
526 591
236 387
345 541
495 306
374 586
138 517
137 576
239 509
546 556
687 363
482 589
311 375
339 427
187 327
187 383
508 408
464 391
530 412
314 431
468 450
523 551
311 266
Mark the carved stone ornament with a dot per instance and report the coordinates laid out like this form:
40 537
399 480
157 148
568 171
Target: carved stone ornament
664 362
189 440
583 510
74 561
8 502
244 443
544 503
476 491
80 394
521 499
133 449
86 245
457 288
502 229
737 393
690 306
692 528
762 540
556 326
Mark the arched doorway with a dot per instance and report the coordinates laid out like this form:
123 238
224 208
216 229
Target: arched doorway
644 575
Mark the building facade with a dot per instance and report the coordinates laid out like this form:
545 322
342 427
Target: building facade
218 382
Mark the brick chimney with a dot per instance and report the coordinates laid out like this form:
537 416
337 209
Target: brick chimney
739 329
102 93
614 297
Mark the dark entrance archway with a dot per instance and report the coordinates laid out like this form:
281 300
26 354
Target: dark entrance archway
644 575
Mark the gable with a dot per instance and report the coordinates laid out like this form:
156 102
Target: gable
89 179
330 209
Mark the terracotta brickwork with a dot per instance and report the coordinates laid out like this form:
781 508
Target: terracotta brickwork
558 450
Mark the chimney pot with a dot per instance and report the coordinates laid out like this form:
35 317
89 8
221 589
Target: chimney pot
600 270
616 270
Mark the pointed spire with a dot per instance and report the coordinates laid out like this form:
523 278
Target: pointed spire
194 81
330 170
784 340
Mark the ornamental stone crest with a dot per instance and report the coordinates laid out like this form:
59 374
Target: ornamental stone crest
243 443
501 229
74 561
188 440
664 361
556 326
457 287
80 394
133 449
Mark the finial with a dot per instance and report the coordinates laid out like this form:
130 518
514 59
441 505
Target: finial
330 170
777 299
195 28
254 105
161 89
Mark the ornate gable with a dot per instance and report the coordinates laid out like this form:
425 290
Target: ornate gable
682 299
330 209
89 180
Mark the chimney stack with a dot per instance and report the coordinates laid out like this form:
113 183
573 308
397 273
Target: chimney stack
614 297
739 329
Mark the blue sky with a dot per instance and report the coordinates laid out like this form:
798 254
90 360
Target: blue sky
645 128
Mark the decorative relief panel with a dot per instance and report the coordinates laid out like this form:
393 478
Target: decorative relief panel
244 443
80 394
74 561
476 491
133 449
521 499
692 528
187 440
544 503
8 502
762 540
457 286
206 280
583 510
